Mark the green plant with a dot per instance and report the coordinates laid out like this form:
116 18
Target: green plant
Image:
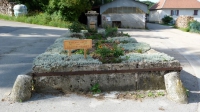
76 27
139 50
167 19
126 34
110 31
185 29
151 94
95 36
81 51
77 36
160 94
187 92
109 53
95 89
92 31
194 26
39 18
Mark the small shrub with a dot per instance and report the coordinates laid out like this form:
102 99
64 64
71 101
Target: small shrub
167 19
194 26
109 53
95 89
95 36
76 27
111 32
77 36
81 51
92 31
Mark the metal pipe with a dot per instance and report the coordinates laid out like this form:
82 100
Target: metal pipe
105 71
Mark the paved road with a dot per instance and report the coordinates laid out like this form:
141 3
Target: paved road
20 43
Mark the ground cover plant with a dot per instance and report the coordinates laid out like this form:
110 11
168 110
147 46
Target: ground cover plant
112 49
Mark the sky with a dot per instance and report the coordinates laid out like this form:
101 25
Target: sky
155 1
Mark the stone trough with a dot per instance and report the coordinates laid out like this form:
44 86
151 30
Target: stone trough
149 79
55 71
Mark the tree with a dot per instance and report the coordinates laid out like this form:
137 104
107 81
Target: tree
68 9
149 3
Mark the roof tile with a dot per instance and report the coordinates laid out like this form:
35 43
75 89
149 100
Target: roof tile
176 4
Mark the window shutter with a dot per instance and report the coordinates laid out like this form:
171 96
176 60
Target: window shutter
171 12
195 12
177 12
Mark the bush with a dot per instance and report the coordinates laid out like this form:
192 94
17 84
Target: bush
194 26
111 32
76 27
167 19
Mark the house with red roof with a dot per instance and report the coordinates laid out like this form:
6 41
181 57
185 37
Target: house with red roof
174 8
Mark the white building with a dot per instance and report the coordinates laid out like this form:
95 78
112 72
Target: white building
124 13
174 8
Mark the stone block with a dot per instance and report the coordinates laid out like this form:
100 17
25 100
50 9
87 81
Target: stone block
175 89
22 88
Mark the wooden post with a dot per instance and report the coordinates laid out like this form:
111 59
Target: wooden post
85 53
69 52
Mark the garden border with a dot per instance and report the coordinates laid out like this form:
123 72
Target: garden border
105 71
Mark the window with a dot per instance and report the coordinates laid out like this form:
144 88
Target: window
195 12
174 12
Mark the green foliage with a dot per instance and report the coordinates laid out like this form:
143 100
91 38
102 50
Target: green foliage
68 9
77 36
99 2
167 19
187 92
92 31
65 9
109 54
194 26
149 3
160 94
185 29
39 18
95 36
76 27
151 94
33 5
110 31
95 89
80 51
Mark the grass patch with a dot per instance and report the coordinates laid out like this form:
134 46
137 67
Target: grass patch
39 19
184 29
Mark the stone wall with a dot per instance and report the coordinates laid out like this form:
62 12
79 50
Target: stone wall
108 82
6 7
182 21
